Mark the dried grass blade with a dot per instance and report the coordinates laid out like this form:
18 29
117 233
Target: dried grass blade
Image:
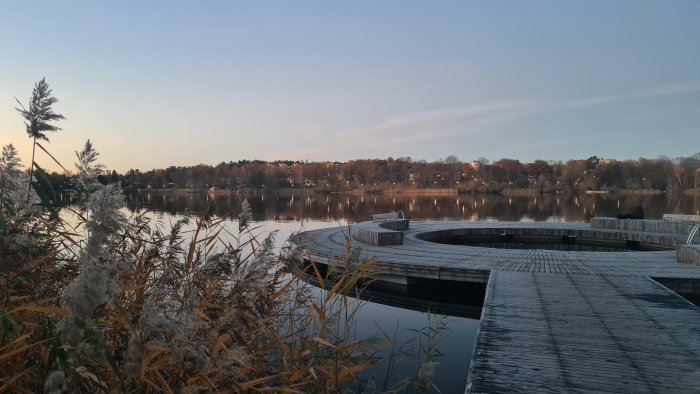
193 245
220 344
49 310
213 237
324 342
10 382
84 372
165 384
319 277
296 376
351 371
202 315
332 292
15 342
249 384
158 348
51 156
319 310
349 346
15 352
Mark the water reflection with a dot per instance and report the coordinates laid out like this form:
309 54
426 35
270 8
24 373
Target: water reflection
330 207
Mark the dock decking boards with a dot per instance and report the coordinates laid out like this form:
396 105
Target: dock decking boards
557 321
426 259
584 333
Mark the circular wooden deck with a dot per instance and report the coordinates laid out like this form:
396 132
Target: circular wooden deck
554 321
420 258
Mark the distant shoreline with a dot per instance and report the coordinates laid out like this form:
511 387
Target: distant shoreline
409 191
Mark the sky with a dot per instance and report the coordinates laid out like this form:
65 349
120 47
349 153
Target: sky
161 83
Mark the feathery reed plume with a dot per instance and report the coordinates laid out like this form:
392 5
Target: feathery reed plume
129 305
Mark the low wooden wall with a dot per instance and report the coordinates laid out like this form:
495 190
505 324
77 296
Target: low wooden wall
688 254
681 217
385 233
672 224
651 226
650 238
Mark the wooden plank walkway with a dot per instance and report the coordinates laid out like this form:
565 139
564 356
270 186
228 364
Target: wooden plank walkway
558 321
420 258
584 333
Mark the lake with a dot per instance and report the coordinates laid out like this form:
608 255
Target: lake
299 211
301 207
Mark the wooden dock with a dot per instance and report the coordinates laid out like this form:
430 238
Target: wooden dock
423 259
557 321
584 333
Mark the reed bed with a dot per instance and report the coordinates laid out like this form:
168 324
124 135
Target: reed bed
178 312
109 303
117 304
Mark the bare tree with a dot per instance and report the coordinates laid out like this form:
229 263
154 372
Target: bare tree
37 118
453 167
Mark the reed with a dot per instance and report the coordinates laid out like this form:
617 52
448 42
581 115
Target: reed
420 350
116 304
132 305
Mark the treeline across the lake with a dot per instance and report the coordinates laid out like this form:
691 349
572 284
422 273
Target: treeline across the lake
375 175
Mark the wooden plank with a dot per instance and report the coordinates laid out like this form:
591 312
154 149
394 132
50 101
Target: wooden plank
559 333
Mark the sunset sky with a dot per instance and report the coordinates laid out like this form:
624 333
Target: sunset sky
160 83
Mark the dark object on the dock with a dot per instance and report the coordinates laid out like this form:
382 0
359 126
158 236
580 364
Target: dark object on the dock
637 213
568 239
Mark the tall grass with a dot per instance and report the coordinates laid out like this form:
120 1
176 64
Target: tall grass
115 304
131 305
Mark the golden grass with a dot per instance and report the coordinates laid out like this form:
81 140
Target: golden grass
206 311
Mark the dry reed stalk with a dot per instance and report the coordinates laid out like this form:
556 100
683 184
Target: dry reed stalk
192 312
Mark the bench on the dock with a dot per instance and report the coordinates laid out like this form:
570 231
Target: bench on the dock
385 229
382 217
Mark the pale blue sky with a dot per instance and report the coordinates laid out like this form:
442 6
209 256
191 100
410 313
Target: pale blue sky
162 83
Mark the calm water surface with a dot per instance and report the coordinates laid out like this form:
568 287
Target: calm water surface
333 207
288 213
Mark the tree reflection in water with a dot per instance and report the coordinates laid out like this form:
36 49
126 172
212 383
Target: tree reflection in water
300 205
